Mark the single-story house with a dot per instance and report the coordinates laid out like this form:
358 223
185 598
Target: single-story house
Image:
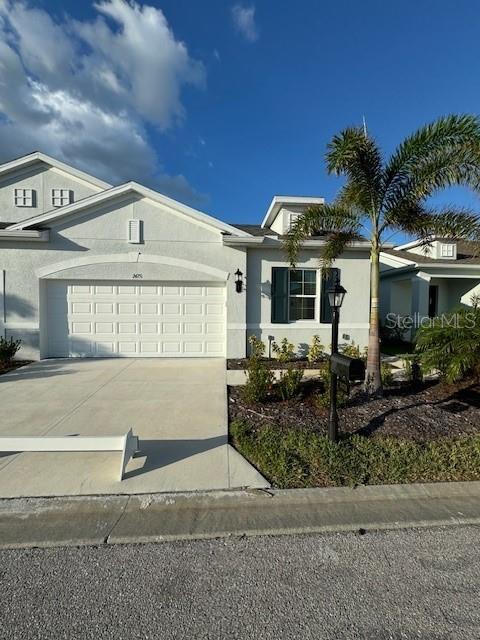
91 269
425 281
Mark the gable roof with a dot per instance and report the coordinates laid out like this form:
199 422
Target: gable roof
38 156
123 189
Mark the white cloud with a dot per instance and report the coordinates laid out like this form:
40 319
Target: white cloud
86 92
244 21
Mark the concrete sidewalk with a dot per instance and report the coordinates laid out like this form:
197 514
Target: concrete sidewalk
34 522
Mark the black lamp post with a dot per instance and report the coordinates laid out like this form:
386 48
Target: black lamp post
335 293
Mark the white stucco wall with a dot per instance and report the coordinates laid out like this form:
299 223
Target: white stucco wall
42 179
355 270
102 231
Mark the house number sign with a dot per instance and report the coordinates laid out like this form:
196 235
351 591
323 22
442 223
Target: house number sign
137 276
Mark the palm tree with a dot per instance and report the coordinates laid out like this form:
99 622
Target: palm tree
382 197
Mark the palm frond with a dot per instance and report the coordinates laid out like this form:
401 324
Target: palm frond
335 245
439 154
356 155
322 219
455 223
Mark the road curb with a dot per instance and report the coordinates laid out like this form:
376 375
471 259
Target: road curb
116 519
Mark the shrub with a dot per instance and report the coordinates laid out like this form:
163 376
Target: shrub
315 352
291 457
259 377
322 400
285 352
8 349
413 368
386 374
257 347
289 383
451 344
353 351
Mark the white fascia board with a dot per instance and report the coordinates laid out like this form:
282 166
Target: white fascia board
126 188
280 201
29 235
414 243
386 258
276 242
37 156
446 267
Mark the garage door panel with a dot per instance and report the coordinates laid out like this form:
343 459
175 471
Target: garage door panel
132 320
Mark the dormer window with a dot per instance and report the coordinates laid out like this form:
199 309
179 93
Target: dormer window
24 197
61 197
292 218
447 250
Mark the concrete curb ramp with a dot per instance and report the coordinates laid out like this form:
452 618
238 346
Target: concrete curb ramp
95 520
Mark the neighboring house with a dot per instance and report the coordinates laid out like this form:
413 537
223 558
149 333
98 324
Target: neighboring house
426 281
90 269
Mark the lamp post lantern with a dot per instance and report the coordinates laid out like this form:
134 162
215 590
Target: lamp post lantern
335 293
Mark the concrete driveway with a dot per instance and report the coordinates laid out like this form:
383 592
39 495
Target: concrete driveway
178 408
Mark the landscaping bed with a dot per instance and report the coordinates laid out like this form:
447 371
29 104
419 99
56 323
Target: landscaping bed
15 364
235 364
423 434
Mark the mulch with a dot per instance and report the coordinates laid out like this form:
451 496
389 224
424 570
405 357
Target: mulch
234 364
5 368
432 411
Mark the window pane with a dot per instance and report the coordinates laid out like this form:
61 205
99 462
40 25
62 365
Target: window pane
308 308
295 275
310 275
295 308
310 288
302 308
295 288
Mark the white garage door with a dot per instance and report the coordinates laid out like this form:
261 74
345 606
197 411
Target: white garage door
152 319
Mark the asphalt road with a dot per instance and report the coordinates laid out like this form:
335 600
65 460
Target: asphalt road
400 584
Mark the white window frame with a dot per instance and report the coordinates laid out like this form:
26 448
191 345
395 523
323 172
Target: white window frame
61 197
292 216
447 250
23 197
315 296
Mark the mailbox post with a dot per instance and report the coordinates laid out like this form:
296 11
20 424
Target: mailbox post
336 293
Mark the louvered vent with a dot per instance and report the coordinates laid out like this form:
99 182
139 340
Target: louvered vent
134 231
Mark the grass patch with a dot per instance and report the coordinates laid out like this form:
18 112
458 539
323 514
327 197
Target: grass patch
291 458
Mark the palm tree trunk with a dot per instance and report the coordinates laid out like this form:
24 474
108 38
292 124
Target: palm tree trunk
373 379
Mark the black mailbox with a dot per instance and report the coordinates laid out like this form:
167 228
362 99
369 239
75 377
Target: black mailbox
350 369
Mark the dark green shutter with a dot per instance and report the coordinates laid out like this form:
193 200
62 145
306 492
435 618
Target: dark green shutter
279 299
328 279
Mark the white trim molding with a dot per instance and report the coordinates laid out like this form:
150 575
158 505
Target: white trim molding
126 189
132 257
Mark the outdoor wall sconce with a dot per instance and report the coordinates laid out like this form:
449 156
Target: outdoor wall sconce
238 281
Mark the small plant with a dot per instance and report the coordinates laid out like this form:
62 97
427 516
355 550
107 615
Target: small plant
8 349
315 352
351 350
285 352
289 383
257 347
387 374
322 400
259 377
413 368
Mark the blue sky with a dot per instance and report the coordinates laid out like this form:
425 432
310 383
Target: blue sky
258 90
